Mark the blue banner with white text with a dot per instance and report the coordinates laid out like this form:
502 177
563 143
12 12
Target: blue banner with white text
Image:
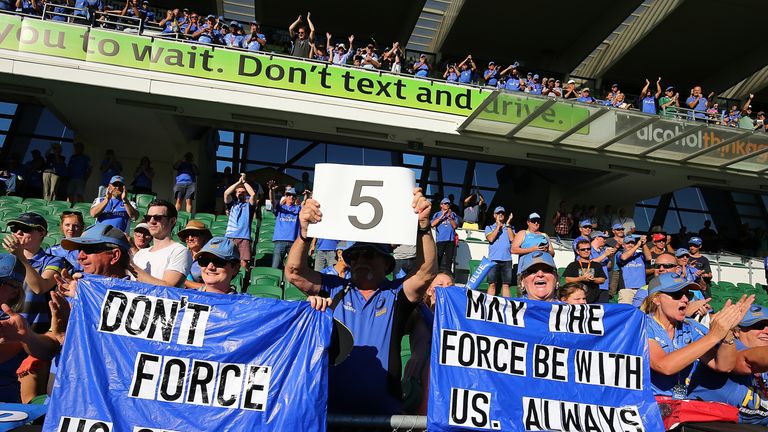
145 358
521 365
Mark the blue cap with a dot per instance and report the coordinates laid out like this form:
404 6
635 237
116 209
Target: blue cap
445 201
382 249
343 245
30 219
290 191
221 17
617 226
533 216
536 76
668 283
101 233
11 268
614 85
696 241
682 252
536 257
234 23
221 247
670 88
595 234
117 179
499 209
585 222
755 314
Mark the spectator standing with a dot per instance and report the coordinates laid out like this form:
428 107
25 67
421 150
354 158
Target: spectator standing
286 222
760 123
172 22
586 271
551 90
115 208
340 267
626 221
340 54
664 263
141 239
698 103
241 210
255 41
466 69
369 58
186 175
72 226
632 265
324 251
219 262
142 178
572 293
660 246
499 236
450 73
301 37
648 101
166 263
235 37
78 169
602 254
699 261
669 103
421 68
404 256
586 97
55 170
532 239
109 168
605 221
562 220
191 25
445 223
473 205
570 90
707 234
746 121
491 75
29 7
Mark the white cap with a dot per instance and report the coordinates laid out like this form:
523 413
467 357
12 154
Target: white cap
571 82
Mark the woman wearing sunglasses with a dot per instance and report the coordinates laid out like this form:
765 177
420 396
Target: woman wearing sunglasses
677 343
195 235
219 262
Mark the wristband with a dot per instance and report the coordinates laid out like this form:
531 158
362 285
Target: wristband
424 230
305 238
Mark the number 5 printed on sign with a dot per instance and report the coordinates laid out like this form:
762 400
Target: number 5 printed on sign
364 203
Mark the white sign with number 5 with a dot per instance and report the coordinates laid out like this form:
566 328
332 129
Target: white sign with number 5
365 203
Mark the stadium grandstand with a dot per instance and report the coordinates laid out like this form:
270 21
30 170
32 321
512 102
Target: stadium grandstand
184 138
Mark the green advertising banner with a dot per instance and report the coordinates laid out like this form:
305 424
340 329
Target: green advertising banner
263 70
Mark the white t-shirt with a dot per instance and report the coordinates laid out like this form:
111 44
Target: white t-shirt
627 222
174 257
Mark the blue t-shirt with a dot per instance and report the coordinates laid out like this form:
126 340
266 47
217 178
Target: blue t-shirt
253 44
331 270
69 256
326 245
36 310
533 239
594 253
114 169
512 84
368 382
465 76
633 270
186 173
700 108
499 249
78 166
649 105
195 273
452 77
588 99
233 40
142 181
491 77
444 231
420 70
286 222
536 89
239 222
114 213
686 332
746 392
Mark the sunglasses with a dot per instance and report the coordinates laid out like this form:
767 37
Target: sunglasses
94 249
583 249
756 326
368 254
664 266
677 295
535 221
205 260
26 229
159 218
192 234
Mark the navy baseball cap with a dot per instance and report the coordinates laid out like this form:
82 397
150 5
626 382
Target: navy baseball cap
379 248
755 314
617 226
668 283
499 209
30 219
670 88
234 24
101 233
11 268
696 241
533 258
585 222
117 179
445 201
682 252
221 247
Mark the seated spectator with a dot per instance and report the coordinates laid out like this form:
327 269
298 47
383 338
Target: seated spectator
141 239
473 208
143 176
235 37
760 123
301 37
29 7
12 275
185 187
450 73
535 85
340 268
195 235
445 223
207 32
491 75
219 262
172 22
585 96
675 343
572 293
190 26
537 276
649 99
699 261
619 101
166 263
466 69
741 386
369 58
241 210
669 103
631 263
132 9
115 208
421 68
286 222
255 40
570 90
340 54
551 89
368 382
392 59
110 167
532 239
72 225
92 248
78 171
586 271
499 236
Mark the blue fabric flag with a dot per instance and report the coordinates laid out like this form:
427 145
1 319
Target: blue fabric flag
13 415
478 276
524 365
142 357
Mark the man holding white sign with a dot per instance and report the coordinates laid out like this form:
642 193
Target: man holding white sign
374 309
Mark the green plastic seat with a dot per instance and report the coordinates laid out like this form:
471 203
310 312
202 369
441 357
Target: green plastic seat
266 279
82 207
206 218
240 280
292 293
265 291
267 271
726 286
35 202
10 199
143 200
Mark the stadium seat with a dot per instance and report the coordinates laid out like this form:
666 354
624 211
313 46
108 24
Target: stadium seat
405 351
83 207
34 202
745 288
219 224
183 217
10 199
60 206
726 286
142 200
266 279
265 248
240 281
206 218
292 293
222 217
256 271
265 291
